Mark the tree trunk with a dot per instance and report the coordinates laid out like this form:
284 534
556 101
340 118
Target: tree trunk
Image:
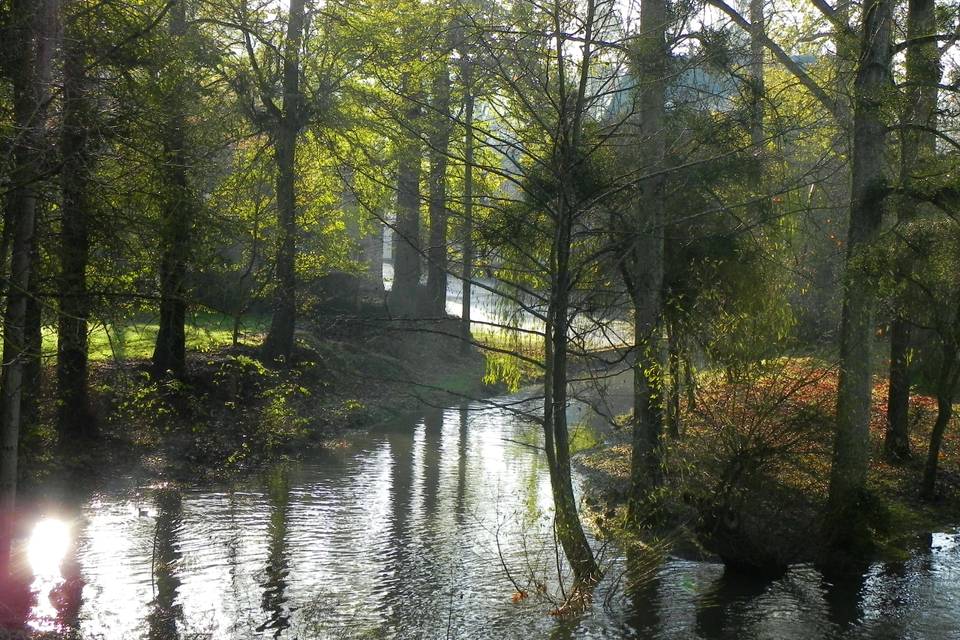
439 148
556 435
852 443
896 442
646 262
758 28
169 353
32 338
467 274
74 419
29 69
946 384
371 253
673 399
922 77
280 339
406 235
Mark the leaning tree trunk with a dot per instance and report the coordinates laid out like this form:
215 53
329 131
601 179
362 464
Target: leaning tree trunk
946 387
169 352
916 144
280 338
556 434
439 148
646 262
74 419
851 451
29 68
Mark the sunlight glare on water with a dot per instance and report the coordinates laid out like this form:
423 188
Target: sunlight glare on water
46 549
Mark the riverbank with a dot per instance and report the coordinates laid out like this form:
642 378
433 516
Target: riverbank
747 479
232 413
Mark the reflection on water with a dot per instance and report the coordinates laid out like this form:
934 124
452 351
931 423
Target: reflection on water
275 585
405 534
165 610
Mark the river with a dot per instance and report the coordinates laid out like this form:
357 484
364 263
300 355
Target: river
408 531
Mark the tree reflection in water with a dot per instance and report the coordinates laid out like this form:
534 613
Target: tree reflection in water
274 589
165 611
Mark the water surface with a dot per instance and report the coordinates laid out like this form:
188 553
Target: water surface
410 531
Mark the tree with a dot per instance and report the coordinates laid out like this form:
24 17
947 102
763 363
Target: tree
851 451
439 142
33 24
169 354
74 416
287 119
407 250
643 267
917 147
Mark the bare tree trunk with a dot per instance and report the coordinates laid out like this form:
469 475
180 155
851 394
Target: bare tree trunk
467 274
852 444
169 353
74 419
946 386
406 235
280 338
646 262
923 73
30 67
439 148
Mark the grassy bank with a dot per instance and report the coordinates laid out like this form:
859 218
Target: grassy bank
231 412
748 477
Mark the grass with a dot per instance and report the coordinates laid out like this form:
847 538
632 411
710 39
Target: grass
133 339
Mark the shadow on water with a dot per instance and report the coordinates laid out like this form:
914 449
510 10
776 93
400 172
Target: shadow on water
165 611
642 587
843 596
725 609
274 601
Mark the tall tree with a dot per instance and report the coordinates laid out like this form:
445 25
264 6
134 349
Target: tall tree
643 267
288 120
466 276
851 451
33 25
74 419
407 251
567 209
169 353
917 145
439 142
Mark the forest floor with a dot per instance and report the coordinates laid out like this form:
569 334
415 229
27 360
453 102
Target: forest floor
748 476
232 413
